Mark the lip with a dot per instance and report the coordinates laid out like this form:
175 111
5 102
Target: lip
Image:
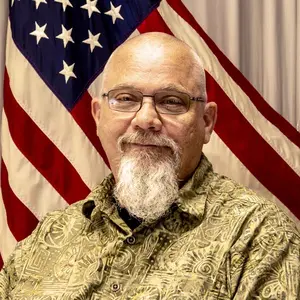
144 145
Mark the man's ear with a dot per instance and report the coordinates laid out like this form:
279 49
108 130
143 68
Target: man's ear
96 109
210 118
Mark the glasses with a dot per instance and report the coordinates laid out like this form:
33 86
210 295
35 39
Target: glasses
166 102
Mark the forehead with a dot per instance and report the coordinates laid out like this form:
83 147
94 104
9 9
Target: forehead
149 71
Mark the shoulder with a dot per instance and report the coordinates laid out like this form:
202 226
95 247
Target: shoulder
55 227
59 220
246 209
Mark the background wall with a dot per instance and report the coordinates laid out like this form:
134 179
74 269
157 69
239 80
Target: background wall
262 39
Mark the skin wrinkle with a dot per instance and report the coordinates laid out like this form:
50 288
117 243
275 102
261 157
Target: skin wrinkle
149 63
168 87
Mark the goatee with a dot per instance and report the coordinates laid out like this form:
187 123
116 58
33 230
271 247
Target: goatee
147 182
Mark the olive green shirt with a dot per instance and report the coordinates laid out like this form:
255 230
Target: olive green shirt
220 241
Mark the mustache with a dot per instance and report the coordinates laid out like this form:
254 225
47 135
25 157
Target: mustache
147 138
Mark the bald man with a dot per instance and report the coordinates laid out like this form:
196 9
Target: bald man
163 225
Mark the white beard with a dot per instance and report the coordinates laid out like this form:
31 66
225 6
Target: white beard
147 178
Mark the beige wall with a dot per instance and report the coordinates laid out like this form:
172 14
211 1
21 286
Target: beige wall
262 39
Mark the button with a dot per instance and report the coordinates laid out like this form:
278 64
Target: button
130 240
115 287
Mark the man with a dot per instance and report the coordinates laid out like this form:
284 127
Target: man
162 225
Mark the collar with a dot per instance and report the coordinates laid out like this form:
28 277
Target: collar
104 204
191 198
193 194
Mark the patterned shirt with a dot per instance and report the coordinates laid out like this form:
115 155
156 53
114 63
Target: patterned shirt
219 241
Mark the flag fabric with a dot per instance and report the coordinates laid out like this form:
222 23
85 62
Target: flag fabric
51 156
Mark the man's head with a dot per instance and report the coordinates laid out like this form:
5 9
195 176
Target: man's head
151 148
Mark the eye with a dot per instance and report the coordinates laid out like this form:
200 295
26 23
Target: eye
171 100
125 97
123 100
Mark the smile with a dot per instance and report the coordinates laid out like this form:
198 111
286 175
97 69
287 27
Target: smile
144 145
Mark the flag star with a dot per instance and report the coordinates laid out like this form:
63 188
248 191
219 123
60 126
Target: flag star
65 35
38 2
67 71
39 32
93 41
114 12
90 6
64 3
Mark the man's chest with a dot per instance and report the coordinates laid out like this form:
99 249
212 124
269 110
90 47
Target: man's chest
161 265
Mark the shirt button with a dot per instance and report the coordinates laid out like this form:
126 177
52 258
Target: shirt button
115 287
130 240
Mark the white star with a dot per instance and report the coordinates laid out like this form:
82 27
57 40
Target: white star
39 32
114 12
65 35
67 71
64 3
90 6
93 41
38 2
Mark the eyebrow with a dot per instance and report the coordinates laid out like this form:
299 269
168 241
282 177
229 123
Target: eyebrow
168 87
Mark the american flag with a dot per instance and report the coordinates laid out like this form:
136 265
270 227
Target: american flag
51 156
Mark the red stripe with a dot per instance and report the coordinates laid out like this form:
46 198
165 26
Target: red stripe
83 116
253 151
20 219
154 23
41 152
263 107
1 262
231 124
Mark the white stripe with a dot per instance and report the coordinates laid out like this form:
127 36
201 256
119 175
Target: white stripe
26 182
7 240
52 117
237 171
272 135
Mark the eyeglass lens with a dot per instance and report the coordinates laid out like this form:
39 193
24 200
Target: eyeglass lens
168 102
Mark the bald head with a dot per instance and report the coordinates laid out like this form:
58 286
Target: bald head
150 50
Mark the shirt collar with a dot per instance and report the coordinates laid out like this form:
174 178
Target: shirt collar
191 199
193 194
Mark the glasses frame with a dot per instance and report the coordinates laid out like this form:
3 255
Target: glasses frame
195 99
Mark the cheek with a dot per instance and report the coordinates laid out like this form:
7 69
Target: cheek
110 128
192 139
187 135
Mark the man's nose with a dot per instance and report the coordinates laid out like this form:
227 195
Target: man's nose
147 117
